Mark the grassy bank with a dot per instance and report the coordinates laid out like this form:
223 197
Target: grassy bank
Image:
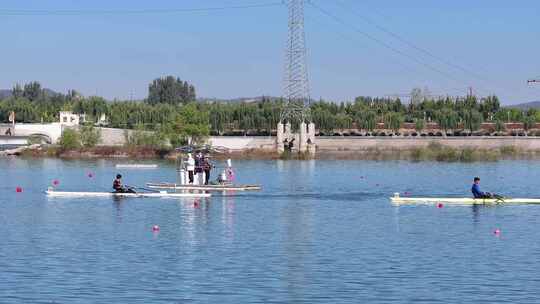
432 152
438 152
99 152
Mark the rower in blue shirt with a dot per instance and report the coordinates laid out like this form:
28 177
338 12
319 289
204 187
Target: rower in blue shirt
476 190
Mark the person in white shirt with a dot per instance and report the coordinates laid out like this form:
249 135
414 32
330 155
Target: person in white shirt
190 167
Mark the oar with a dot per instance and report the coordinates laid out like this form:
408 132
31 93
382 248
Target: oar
146 189
499 198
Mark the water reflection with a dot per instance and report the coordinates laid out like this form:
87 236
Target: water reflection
297 218
475 213
227 216
118 207
311 235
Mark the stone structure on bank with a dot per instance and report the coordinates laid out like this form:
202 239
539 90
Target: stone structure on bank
304 139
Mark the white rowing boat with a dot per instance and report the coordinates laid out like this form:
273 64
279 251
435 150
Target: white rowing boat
136 166
398 200
170 186
114 194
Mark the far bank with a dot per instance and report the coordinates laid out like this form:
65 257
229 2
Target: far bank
472 148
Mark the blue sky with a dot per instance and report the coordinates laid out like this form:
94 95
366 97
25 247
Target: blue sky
239 52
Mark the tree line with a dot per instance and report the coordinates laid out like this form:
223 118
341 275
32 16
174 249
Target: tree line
171 108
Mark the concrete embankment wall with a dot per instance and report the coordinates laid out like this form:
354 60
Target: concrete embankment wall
396 143
383 143
13 140
244 142
112 137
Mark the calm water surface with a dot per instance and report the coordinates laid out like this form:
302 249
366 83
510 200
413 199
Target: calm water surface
319 232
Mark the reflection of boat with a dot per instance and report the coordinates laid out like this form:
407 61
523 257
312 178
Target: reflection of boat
136 166
219 187
115 194
398 200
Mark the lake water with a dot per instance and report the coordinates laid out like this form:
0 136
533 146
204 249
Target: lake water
319 232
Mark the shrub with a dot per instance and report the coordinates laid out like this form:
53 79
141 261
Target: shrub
70 140
147 139
90 136
434 146
418 154
467 155
508 150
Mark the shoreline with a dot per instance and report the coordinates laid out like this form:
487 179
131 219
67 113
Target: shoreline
431 151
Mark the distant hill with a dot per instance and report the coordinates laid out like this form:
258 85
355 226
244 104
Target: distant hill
5 93
237 100
526 105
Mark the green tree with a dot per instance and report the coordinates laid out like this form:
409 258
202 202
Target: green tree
393 121
499 126
490 105
17 91
90 136
419 125
139 137
170 90
472 120
529 122
368 121
190 126
447 119
32 91
70 140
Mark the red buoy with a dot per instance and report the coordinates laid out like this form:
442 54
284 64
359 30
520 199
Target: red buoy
497 232
90 175
155 228
55 182
18 189
440 205
196 204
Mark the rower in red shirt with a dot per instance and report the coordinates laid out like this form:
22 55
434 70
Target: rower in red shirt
119 188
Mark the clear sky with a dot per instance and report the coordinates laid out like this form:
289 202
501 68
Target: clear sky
493 46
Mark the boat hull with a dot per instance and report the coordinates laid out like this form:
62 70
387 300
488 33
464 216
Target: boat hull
462 201
114 194
169 186
136 166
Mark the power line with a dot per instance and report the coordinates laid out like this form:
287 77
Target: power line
384 44
411 44
347 38
145 11
463 68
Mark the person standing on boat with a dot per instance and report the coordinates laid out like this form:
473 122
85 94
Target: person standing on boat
207 167
199 159
476 190
190 167
118 187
